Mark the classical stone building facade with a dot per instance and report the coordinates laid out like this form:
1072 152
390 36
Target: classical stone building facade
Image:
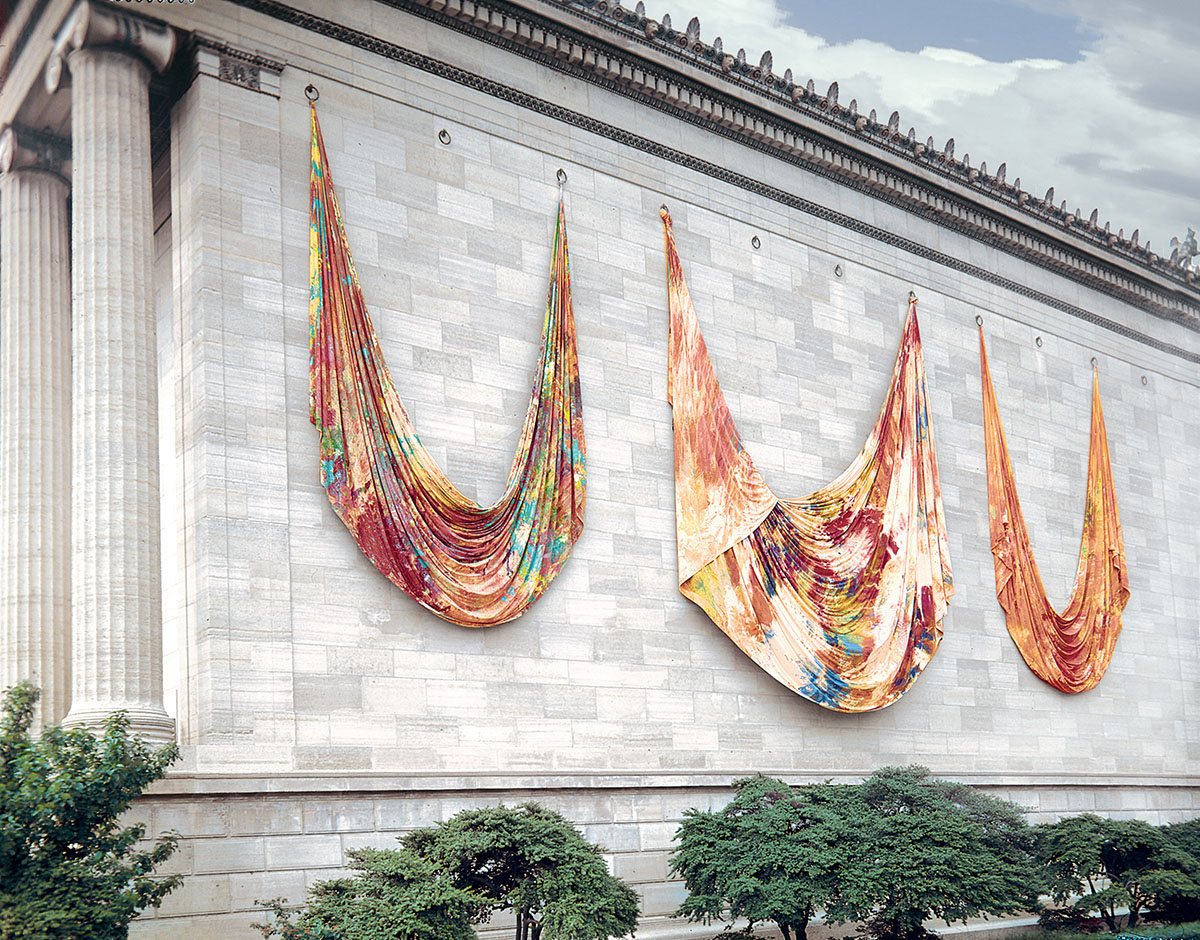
165 546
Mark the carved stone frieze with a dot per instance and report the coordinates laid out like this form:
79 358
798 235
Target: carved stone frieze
210 56
238 72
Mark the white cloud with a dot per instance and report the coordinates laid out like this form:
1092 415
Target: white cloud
1119 129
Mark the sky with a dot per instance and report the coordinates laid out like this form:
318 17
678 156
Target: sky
1098 98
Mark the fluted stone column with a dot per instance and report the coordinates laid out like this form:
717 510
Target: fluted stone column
35 420
116 581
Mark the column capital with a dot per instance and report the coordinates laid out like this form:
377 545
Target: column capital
94 26
23 148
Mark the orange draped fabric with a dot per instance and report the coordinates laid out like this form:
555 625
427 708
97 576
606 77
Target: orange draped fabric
471 565
839 595
1071 650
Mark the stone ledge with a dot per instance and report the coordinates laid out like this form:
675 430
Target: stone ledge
290 783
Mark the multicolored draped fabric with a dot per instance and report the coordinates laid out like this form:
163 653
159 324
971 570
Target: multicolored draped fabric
471 565
839 595
1071 650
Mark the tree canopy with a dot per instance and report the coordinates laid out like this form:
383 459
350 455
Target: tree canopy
534 862
938 849
395 894
894 851
774 853
68 868
1108 864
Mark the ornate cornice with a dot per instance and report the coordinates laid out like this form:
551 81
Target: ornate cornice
94 25
825 107
817 132
484 85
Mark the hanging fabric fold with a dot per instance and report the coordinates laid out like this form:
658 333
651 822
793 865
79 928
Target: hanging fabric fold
471 565
1071 650
839 595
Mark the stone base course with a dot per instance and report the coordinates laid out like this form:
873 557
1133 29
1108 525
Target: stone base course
242 843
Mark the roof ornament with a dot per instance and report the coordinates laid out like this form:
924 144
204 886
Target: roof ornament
1182 252
805 97
1134 237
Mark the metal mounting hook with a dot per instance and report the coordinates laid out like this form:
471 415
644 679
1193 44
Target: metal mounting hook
755 243
561 175
311 93
1095 364
979 319
912 295
444 136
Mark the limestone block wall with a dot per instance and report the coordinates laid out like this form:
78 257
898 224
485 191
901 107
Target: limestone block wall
320 708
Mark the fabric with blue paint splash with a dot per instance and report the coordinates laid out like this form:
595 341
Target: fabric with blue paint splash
471 565
839 595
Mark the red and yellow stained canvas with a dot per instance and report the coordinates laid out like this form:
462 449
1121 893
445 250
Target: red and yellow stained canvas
1071 650
839 595
472 565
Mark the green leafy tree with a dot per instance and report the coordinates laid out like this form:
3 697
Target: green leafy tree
935 848
774 853
1107 864
68 868
395 895
532 861
1180 908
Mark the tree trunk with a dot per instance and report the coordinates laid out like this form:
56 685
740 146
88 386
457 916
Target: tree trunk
535 929
787 934
802 927
520 926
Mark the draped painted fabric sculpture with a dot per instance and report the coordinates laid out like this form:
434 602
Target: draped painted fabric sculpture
839 595
471 565
1070 650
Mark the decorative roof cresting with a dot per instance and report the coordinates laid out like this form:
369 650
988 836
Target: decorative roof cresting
826 106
